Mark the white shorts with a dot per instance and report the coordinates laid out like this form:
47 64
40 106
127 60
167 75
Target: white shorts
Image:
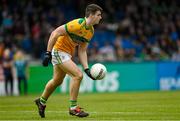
59 57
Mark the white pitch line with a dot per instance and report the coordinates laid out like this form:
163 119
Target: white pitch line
67 112
62 112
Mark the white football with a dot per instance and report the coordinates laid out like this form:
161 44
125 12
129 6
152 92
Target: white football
98 71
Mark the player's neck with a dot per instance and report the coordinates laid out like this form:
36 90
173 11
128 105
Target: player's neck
88 22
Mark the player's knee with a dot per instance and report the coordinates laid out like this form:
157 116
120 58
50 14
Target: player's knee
79 76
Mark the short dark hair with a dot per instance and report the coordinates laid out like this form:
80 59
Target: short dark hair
92 9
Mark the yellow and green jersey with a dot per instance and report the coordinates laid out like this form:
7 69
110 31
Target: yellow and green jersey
77 33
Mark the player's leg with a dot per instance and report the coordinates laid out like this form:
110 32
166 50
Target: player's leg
71 69
57 80
11 84
25 85
58 76
6 85
19 85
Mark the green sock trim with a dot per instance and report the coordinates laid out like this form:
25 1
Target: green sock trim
43 100
73 103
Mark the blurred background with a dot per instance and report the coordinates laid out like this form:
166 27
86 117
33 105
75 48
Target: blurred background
137 40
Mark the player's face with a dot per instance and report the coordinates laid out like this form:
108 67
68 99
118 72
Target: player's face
97 17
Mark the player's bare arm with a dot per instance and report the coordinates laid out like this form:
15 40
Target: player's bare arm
83 54
54 35
83 58
52 40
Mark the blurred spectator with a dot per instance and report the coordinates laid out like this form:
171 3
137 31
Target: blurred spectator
145 54
176 56
21 71
7 22
9 72
93 52
27 24
155 51
119 52
107 52
1 51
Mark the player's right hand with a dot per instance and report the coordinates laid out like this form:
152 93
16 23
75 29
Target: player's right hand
87 71
47 58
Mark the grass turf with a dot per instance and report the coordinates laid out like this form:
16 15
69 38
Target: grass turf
124 106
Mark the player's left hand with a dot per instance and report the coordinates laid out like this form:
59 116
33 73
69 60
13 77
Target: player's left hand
87 71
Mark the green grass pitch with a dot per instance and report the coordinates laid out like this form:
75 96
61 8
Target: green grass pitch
123 106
